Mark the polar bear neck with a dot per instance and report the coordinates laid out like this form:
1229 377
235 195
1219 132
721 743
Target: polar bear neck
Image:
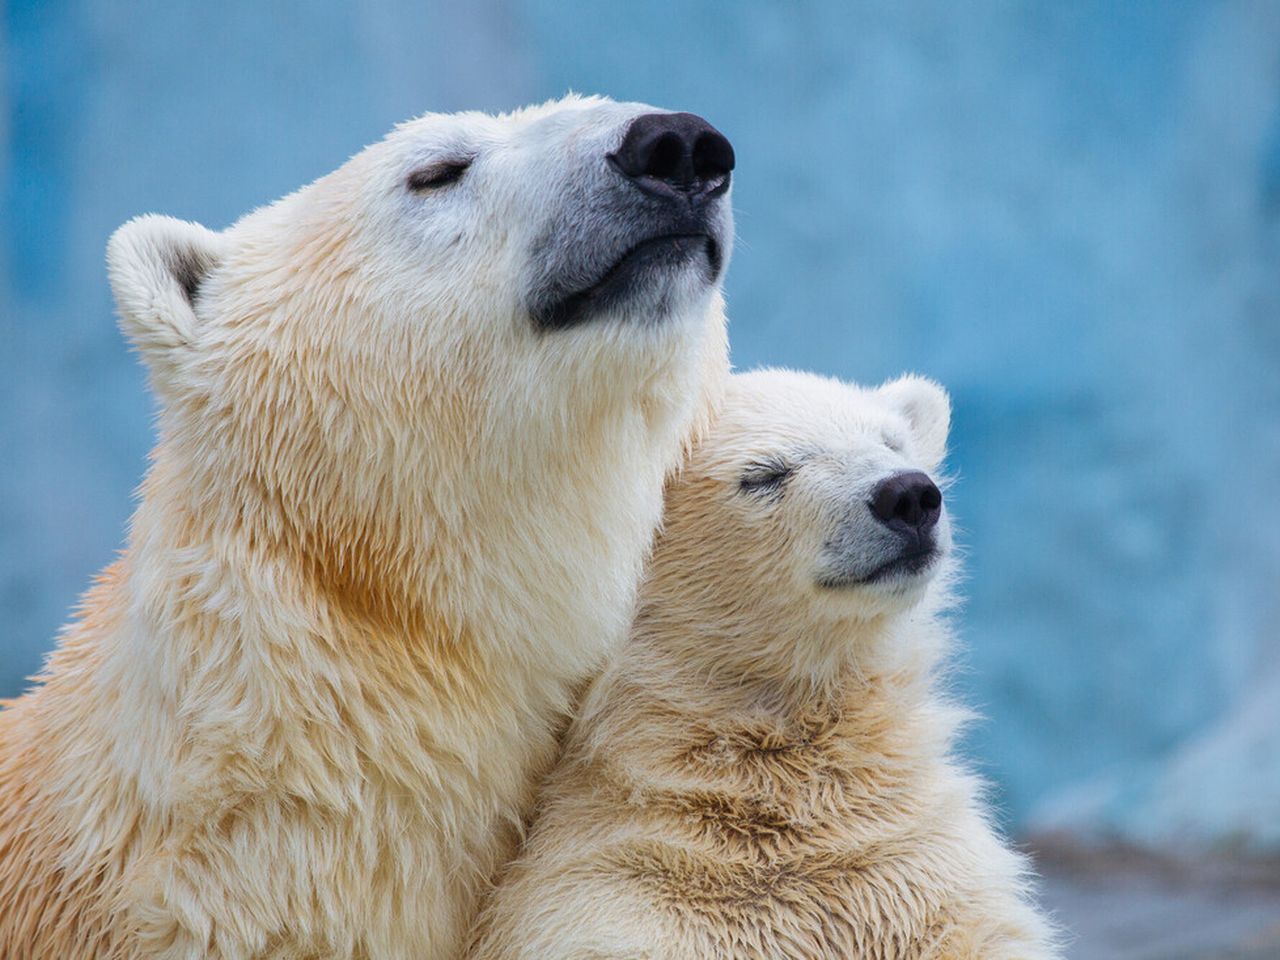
779 657
658 695
460 545
402 682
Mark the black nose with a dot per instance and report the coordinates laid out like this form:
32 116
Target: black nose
907 501
665 153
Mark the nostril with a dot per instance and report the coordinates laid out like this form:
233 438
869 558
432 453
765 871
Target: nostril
712 156
931 498
666 159
884 501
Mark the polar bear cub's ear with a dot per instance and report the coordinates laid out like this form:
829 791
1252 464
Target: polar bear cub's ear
928 409
156 266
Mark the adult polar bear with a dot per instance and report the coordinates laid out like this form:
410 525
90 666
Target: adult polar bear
415 423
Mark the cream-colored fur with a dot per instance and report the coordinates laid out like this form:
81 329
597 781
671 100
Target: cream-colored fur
764 771
389 529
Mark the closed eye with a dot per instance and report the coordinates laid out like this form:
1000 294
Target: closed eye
765 476
440 174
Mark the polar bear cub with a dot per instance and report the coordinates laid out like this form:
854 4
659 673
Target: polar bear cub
765 770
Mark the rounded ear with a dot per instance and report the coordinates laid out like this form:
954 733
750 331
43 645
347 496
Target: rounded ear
927 408
156 266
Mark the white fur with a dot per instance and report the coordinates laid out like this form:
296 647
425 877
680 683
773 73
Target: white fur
764 771
389 528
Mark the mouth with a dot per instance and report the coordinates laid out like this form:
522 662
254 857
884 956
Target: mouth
636 267
905 566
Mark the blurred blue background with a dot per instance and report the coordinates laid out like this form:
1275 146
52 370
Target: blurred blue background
1069 213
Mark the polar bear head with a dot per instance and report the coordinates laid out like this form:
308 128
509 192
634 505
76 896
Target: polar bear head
812 503
470 338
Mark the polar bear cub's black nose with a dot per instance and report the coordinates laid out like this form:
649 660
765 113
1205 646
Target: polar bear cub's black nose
907 502
667 152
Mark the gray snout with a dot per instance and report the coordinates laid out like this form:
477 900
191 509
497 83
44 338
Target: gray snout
644 231
893 535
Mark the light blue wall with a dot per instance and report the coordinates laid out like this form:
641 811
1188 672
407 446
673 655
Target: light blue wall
1065 212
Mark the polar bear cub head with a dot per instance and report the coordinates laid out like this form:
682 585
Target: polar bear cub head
812 503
